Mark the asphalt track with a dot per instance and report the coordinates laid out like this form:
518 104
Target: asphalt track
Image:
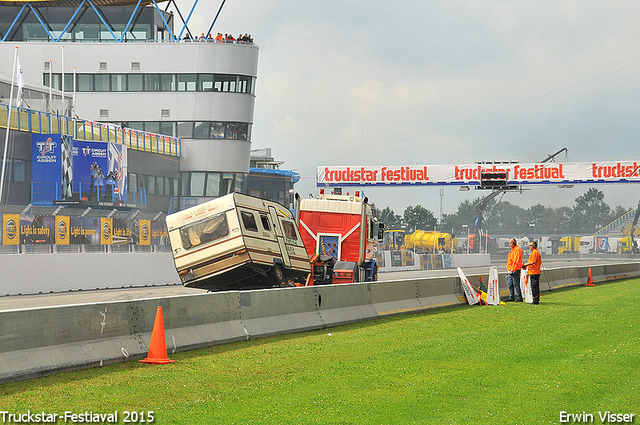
21 302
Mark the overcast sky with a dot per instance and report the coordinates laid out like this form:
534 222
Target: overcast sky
442 82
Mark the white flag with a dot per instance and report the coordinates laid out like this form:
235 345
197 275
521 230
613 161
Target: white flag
20 85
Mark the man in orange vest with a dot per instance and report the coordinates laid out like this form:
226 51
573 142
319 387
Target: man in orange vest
514 265
533 266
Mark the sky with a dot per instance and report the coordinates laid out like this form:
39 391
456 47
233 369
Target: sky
442 82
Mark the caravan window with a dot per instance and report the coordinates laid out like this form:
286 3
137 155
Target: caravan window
249 221
204 231
289 230
266 225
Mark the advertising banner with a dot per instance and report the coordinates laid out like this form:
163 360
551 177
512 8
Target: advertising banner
62 230
159 232
469 174
106 231
145 232
69 171
11 229
68 230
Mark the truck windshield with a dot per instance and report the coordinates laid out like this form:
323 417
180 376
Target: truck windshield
204 231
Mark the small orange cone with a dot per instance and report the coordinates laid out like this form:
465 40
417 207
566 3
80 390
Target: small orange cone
158 347
590 279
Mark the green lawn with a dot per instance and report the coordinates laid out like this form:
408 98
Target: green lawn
578 351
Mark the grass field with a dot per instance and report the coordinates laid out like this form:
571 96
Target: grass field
578 352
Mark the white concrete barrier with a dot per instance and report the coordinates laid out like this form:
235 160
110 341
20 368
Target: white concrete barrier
41 341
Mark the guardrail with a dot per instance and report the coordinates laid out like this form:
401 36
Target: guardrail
41 341
32 121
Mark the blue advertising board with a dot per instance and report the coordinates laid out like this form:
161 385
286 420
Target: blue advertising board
72 171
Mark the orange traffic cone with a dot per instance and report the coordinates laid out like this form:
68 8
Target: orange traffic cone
590 279
158 347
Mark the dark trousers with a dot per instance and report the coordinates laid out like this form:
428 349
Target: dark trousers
534 281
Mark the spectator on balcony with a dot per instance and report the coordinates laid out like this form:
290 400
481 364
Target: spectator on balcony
219 38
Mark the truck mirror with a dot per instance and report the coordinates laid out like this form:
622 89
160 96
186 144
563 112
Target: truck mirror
380 232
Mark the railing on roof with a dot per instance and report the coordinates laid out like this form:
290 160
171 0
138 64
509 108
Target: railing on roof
32 121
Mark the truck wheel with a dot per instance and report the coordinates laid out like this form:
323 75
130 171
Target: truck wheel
277 274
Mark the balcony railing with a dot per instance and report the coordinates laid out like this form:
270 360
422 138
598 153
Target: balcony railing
33 121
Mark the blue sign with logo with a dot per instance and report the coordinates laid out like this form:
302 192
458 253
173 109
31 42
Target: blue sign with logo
64 169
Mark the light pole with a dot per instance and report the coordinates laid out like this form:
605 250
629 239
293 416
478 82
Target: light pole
467 227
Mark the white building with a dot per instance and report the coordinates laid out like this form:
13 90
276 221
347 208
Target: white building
133 67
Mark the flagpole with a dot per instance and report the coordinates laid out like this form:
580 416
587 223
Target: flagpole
62 82
50 86
6 139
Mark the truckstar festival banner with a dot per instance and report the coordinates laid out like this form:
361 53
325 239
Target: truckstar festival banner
470 174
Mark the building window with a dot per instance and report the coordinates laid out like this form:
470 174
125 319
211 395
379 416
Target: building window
101 82
118 82
135 83
20 170
187 82
196 186
213 184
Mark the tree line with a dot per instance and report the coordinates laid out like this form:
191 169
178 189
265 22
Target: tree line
588 214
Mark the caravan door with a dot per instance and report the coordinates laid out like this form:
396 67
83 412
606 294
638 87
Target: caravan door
277 226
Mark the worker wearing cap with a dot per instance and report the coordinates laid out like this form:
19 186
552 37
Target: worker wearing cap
514 265
533 266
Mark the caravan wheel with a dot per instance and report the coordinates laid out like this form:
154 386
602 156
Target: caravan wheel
277 274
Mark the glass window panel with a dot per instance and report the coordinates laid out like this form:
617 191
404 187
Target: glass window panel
168 186
185 130
217 130
152 82
187 82
19 170
201 130
213 184
152 127
205 231
7 170
136 125
176 182
151 185
217 86
133 182
135 82
118 82
205 82
167 82
243 131
85 82
196 188
101 82
68 83
166 128
225 86
232 86
249 221
160 186
185 184
88 32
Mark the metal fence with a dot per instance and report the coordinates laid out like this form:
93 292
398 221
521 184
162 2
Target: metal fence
32 121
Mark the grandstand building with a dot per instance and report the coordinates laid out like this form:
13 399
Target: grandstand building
133 68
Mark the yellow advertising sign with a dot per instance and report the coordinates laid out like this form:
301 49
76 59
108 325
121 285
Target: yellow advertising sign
106 231
11 229
62 230
145 232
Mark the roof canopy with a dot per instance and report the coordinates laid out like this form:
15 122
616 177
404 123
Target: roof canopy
76 3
